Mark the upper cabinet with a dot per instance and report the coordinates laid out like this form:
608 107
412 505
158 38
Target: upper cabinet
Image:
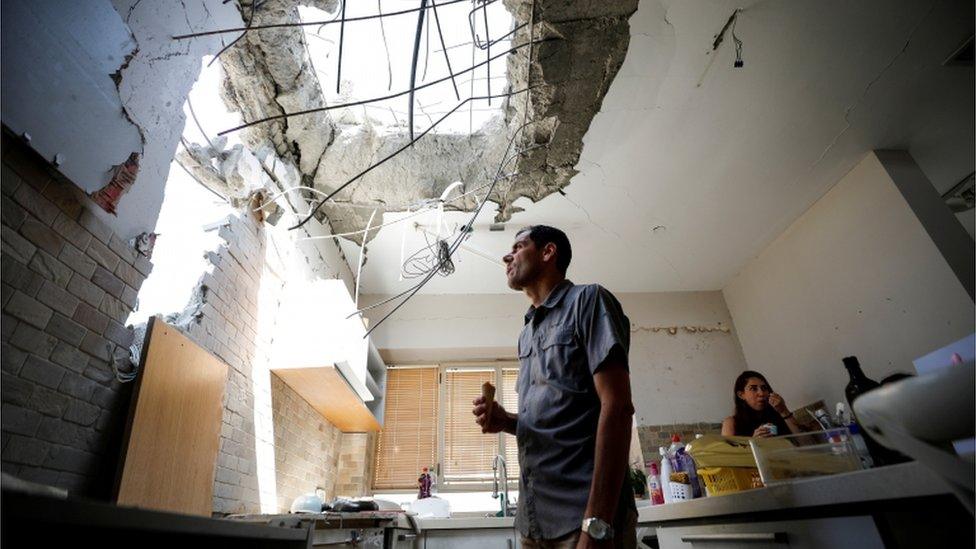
320 351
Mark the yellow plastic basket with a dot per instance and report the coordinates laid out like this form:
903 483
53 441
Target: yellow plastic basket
725 480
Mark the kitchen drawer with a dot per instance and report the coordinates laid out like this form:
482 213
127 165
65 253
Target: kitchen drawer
481 538
834 533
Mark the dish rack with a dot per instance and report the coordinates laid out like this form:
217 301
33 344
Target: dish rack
726 480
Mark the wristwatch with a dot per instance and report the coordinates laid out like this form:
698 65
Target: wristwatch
597 529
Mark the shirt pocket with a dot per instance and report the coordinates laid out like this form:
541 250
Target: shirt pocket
562 362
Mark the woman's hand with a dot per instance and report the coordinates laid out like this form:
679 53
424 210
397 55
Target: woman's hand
493 423
778 404
762 432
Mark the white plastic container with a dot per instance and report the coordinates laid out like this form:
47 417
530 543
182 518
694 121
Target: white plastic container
665 476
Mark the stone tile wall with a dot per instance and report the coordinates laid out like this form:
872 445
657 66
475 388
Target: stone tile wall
68 286
653 437
306 446
356 465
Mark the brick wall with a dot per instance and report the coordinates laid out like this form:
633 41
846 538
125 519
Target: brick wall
306 446
356 465
68 285
234 316
653 437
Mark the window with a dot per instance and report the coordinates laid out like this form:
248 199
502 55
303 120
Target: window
462 457
409 438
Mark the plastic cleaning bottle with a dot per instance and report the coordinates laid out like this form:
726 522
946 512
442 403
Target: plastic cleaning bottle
665 475
654 489
688 466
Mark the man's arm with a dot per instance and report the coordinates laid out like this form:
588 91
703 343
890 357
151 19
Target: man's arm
612 381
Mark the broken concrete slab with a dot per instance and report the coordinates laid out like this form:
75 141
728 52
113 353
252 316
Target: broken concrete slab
269 74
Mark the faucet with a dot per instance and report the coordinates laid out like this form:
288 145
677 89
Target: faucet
505 510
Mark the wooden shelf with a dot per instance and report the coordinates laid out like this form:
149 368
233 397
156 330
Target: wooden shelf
330 395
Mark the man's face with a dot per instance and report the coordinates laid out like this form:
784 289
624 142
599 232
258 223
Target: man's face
524 263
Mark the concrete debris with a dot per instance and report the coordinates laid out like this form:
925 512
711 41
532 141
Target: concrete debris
193 312
268 73
234 173
144 243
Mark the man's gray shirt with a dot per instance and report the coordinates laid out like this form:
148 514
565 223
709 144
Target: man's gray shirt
563 343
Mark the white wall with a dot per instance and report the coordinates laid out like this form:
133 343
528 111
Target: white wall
677 378
855 275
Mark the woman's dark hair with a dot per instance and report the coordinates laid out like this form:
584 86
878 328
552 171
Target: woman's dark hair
544 234
746 419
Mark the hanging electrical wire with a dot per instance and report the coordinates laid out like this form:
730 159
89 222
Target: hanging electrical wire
466 231
447 58
463 233
342 34
386 47
413 65
738 43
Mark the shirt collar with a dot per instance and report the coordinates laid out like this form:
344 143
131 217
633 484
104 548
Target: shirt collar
553 300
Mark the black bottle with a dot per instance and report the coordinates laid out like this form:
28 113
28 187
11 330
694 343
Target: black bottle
859 383
857 386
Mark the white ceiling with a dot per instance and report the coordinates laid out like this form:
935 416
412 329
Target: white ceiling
727 165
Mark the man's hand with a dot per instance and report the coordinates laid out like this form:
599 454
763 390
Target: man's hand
499 420
778 404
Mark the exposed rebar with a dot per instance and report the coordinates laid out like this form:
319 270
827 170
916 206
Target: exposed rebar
413 64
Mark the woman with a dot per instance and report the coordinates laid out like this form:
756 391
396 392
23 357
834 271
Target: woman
756 407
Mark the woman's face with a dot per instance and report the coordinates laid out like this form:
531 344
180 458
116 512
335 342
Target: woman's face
755 394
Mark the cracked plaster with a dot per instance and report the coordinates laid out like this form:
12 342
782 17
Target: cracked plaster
153 85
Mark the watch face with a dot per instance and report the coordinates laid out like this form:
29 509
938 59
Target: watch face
597 529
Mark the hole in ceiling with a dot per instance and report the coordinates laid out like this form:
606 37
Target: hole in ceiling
376 62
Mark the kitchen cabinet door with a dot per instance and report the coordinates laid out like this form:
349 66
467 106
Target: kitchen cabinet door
836 533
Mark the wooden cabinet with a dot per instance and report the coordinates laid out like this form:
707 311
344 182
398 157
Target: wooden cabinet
857 532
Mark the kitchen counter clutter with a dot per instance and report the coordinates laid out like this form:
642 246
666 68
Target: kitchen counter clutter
904 505
883 483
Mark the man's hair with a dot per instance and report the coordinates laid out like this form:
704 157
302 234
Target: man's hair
544 234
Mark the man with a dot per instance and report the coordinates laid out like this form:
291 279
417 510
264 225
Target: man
574 419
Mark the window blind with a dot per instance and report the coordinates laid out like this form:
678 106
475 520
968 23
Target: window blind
468 453
509 399
408 440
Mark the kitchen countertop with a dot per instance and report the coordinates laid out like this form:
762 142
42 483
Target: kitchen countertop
883 483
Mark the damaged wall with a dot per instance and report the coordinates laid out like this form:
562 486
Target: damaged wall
680 377
69 283
151 82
